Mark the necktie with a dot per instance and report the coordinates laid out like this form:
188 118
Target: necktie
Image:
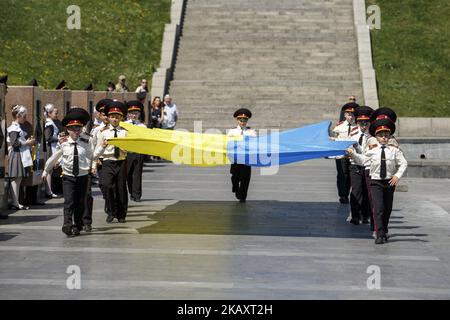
383 163
361 139
116 149
76 164
349 127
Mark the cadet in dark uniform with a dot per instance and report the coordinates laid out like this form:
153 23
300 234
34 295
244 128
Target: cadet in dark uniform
95 133
345 130
384 174
135 161
114 171
359 202
77 155
241 173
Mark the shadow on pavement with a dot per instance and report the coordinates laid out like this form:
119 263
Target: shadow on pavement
266 218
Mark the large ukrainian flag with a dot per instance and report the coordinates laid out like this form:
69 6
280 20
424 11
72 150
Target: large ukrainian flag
202 149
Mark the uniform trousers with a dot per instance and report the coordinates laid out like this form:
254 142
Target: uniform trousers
240 178
343 177
74 190
369 199
135 163
87 215
359 202
382 199
114 173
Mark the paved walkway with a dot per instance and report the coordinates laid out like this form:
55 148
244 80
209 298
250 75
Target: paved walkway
190 239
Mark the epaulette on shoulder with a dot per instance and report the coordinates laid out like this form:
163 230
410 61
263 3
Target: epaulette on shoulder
393 145
339 123
103 129
371 146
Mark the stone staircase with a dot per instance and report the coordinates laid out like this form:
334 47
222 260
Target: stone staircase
291 62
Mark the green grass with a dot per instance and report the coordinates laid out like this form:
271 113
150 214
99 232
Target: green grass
411 54
116 37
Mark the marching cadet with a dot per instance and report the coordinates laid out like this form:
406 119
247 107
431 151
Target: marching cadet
95 133
114 171
89 200
359 202
241 173
381 113
345 130
384 175
135 161
77 155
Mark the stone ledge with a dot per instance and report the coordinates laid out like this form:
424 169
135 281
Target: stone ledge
171 36
365 54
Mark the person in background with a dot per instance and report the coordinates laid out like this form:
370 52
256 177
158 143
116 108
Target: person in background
170 112
51 136
156 113
143 87
111 87
19 154
121 87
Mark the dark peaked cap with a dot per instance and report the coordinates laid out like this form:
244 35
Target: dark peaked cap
116 107
100 106
381 125
76 117
243 111
383 113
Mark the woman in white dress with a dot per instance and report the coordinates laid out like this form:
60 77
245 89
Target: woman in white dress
19 154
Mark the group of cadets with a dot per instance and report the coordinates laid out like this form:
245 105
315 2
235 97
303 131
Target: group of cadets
368 173
372 167
83 153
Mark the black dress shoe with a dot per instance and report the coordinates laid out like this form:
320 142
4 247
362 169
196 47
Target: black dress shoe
137 200
87 228
75 231
365 221
122 220
2 217
109 219
67 230
343 200
355 222
379 240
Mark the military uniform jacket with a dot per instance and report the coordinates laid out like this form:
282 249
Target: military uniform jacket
65 150
396 163
341 132
241 131
108 133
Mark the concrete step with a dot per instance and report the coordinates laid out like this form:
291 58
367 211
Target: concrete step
291 62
